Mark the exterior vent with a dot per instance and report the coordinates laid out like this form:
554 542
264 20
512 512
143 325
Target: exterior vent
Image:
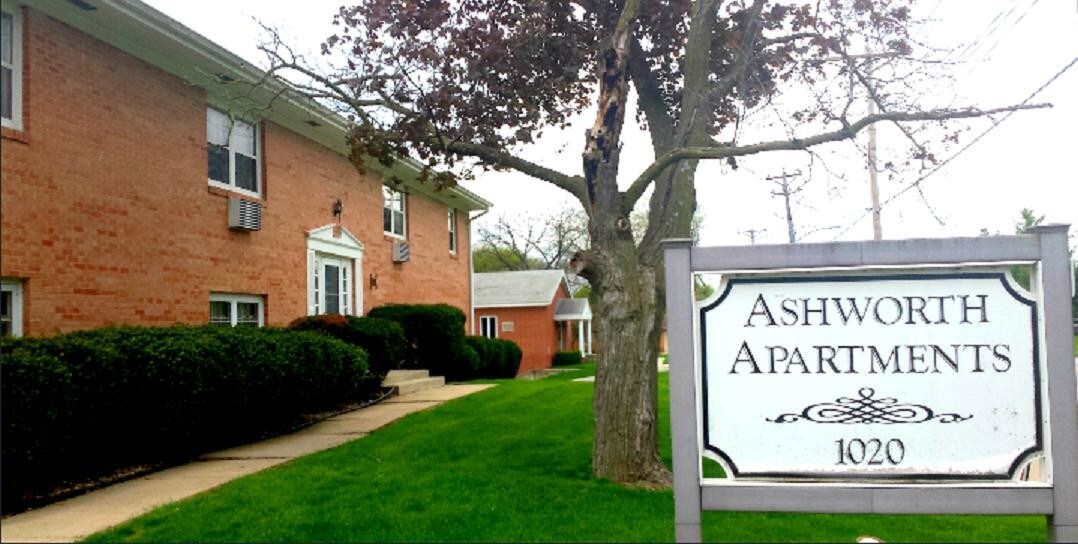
401 252
244 214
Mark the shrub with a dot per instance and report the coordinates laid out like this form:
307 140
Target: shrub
434 337
491 356
511 363
382 339
467 365
81 405
564 358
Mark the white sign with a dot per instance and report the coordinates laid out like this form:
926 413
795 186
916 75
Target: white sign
910 375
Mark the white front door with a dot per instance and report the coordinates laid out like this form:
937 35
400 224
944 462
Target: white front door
336 293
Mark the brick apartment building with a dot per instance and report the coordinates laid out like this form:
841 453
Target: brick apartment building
134 176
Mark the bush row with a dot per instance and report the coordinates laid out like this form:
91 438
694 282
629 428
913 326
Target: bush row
434 339
382 339
80 405
563 358
497 358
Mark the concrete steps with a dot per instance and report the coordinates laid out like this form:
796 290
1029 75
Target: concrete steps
411 381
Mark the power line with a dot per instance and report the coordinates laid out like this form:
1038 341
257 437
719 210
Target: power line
918 181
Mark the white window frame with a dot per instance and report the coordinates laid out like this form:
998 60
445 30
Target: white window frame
15 122
403 212
492 327
234 298
15 288
334 242
231 185
453 240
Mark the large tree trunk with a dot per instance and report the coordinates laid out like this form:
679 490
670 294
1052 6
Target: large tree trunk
626 421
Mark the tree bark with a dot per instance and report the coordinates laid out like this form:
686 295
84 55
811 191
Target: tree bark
626 384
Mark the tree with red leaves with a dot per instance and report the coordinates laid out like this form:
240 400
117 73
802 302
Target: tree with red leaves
467 83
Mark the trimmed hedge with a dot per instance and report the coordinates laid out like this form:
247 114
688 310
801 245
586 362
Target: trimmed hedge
382 339
563 358
513 355
434 338
497 358
80 405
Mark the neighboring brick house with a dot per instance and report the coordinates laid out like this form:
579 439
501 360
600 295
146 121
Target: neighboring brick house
532 308
121 167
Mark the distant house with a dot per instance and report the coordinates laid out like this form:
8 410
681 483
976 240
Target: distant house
147 179
534 309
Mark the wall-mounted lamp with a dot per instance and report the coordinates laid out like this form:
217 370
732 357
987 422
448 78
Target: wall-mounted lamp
338 207
373 279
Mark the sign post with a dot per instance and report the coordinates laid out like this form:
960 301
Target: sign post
875 377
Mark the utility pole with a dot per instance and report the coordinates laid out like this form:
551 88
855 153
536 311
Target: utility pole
873 187
752 234
784 182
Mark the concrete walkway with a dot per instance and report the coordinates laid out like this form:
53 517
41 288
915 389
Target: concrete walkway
79 517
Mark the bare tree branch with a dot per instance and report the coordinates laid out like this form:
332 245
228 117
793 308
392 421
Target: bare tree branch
573 184
688 153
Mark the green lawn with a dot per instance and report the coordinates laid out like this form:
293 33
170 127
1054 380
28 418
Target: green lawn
509 464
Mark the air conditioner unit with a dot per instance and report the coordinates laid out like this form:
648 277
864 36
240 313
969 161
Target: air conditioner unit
244 214
401 252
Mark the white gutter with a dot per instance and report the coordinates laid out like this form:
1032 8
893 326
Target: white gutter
471 271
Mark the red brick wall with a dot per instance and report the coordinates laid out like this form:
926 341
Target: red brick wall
534 330
107 216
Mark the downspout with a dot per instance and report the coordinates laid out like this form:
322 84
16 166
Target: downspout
471 274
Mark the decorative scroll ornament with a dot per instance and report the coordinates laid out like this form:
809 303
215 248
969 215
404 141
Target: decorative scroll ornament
866 409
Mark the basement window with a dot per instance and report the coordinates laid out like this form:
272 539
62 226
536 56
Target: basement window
10 308
237 310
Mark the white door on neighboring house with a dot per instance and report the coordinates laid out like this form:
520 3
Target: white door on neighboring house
336 276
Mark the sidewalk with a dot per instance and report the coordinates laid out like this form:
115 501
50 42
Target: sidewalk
79 517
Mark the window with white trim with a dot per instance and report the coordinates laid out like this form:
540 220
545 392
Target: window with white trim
232 153
10 308
488 326
237 310
393 212
11 68
453 230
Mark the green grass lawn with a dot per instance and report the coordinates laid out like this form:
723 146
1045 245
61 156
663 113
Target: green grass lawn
508 464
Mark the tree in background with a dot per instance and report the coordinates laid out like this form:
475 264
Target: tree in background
531 242
1021 273
467 84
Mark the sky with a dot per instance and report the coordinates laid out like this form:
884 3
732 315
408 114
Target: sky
1027 161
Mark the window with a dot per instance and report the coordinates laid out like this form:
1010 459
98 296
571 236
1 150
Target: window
232 149
393 214
236 310
10 308
488 326
453 231
11 69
